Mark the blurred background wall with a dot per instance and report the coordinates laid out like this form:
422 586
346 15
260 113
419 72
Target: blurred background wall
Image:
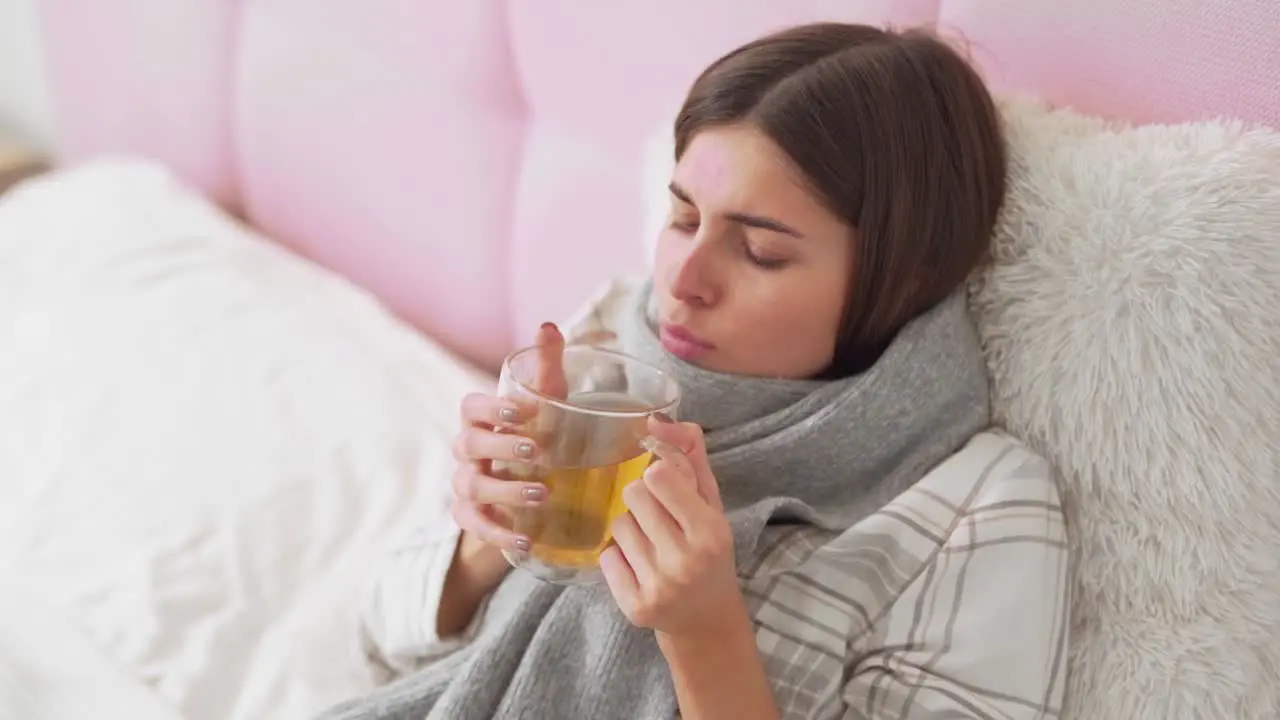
25 107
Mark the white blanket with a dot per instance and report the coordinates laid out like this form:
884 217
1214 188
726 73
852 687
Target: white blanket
50 671
204 442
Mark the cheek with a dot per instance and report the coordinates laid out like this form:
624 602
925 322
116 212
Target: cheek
803 322
809 314
829 310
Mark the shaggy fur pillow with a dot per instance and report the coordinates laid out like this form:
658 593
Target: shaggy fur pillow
1132 324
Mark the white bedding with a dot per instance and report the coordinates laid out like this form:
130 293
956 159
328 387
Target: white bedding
203 442
50 671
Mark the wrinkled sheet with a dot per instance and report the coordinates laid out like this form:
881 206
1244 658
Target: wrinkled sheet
50 671
204 443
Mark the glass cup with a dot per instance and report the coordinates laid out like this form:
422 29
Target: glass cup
589 422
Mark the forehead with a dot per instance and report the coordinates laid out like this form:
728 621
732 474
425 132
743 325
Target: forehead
738 168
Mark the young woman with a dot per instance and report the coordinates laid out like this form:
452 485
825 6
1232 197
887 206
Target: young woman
835 530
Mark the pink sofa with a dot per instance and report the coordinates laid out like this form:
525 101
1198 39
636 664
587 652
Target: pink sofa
478 164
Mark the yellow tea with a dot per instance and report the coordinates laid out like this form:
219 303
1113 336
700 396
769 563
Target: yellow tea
573 527
588 460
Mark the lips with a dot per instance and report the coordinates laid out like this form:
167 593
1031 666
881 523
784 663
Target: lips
683 343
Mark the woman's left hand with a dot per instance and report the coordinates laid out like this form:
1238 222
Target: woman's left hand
672 568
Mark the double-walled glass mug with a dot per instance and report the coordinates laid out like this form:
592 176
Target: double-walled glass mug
590 426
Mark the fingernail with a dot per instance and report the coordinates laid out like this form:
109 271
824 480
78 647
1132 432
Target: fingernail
547 326
521 544
508 415
663 417
535 493
524 450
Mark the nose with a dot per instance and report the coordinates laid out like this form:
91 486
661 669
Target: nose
694 281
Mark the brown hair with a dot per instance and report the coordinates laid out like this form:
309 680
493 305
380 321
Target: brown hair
896 133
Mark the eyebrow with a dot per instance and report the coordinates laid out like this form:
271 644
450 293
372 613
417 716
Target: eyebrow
755 221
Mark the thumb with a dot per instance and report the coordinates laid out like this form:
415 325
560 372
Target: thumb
688 439
550 379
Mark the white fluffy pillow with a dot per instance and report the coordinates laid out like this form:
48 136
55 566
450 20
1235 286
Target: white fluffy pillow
1132 325
204 441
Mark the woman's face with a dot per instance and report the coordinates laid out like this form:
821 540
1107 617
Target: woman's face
751 270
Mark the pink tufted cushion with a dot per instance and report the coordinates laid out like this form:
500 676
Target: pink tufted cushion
148 77
1143 60
384 138
478 164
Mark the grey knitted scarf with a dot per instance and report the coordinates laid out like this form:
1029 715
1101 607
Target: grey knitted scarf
822 452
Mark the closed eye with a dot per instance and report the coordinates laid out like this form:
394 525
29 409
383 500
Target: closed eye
684 216
765 263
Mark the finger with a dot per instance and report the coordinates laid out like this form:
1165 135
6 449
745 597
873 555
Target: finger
635 547
480 444
487 410
620 578
672 458
657 524
684 477
676 491
550 379
688 439
473 487
470 518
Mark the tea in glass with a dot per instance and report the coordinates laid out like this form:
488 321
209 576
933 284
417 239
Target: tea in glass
590 423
